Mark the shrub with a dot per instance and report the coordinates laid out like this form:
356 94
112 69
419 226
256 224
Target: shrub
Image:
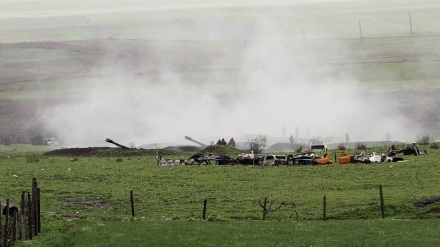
434 145
258 143
424 140
299 148
32 158
341 146
5 141
361 146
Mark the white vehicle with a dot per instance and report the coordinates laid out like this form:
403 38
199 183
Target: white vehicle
375 158
318 146
50 142
368 157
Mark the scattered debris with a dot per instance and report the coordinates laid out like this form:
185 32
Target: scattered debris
310 158
163 162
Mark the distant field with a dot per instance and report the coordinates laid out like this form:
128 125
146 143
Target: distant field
215 50
232 20
46 75
45 70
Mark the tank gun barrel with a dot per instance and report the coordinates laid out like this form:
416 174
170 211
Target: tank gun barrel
190 139
115 143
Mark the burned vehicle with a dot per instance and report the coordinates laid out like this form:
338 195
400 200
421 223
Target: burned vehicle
300 159
273 160
324 160
367 158
247 159
345 158
412 151
219 159
197 159
310 158
375 158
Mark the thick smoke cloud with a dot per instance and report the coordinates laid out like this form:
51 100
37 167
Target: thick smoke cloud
270 80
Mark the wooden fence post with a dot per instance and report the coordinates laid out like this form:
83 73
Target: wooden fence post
30 209
38 209
5 232
132 203
35 206
382 205
23 216
204 208
324 208
14 225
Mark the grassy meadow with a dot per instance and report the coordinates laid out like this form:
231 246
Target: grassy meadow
88 198
247 233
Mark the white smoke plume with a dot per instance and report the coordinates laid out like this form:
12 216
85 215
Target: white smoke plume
257 80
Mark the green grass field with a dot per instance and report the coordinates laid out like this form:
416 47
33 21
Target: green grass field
248 233
89 199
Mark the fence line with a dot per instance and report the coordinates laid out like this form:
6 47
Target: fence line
269 206
23 219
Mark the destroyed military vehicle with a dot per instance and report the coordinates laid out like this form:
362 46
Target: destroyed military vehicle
273 160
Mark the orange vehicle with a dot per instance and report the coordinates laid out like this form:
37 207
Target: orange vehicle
345 158
325 160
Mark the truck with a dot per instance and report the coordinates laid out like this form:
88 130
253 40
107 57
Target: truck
318 146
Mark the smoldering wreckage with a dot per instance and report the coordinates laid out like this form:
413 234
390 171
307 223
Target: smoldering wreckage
310 157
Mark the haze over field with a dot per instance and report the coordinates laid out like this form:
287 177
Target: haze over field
210 69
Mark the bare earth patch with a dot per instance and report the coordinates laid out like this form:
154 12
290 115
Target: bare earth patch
96 202
426 202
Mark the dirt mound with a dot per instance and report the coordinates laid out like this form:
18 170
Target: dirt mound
426 202
96 202
183 149
106 152
222 150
